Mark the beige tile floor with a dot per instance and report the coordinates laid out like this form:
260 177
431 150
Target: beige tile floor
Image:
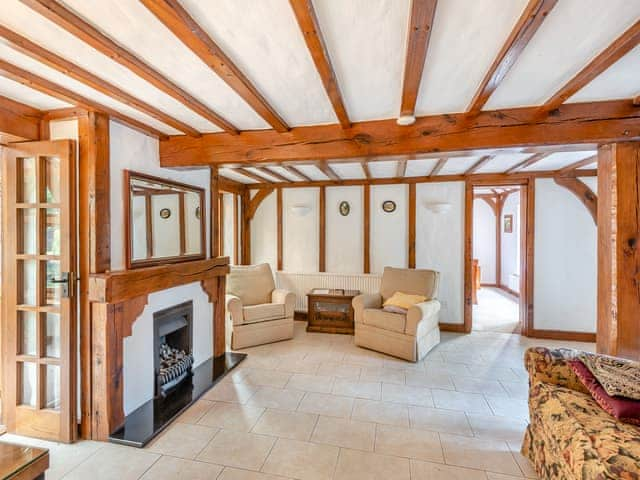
318 407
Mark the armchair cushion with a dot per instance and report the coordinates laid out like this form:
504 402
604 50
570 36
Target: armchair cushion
252 284
385 320
263 312
411 281
425 312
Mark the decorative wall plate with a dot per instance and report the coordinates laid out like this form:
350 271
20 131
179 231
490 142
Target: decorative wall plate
344 208
389 206
198 212
165 213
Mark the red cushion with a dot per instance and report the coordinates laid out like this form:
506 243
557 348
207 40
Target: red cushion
624 409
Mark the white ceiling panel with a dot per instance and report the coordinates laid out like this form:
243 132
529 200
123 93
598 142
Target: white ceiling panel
383 169
348 171
237 177
458 165
138 30
573 33
367 40
501 163
312 172
27 63
420 168
466 37
620 80
263 39
591 166
20 93
557 161
263 173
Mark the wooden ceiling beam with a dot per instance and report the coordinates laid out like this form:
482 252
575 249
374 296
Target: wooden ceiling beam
276 175
614 52
365 169
515 128
636 101
308 23
530 20
579 164
437 167
327 170
479 164
57 13
493 178
528 162
419 33
401 170
252 176
47 87
26 46
173 16
19 120
297 173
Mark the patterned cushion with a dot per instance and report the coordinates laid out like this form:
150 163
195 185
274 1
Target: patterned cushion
624 409
616 375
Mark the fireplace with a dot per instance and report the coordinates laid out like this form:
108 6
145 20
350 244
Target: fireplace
173 347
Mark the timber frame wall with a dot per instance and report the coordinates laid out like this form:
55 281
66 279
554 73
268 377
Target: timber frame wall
526 183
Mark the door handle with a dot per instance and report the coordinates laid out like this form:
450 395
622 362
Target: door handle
66 281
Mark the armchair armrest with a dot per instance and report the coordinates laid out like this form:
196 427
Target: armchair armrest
234 307
550 366
419 312
365 300
288 298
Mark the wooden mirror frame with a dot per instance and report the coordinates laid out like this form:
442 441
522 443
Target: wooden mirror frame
130 175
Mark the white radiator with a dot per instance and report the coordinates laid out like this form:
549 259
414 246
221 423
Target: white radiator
303 283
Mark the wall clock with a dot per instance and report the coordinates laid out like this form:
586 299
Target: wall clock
165 213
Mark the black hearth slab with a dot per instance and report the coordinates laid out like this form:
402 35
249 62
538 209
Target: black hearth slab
147 421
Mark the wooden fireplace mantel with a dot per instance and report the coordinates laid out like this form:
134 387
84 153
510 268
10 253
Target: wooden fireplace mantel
117 300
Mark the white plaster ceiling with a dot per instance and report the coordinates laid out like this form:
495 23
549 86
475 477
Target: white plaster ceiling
285 173
367 41
20 93
502 163
466 37
348 171
620 80
420 168
231 174
263 173
383 169
458 165
557 161
312 172
573 33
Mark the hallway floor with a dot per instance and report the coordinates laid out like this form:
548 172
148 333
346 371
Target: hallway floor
496 311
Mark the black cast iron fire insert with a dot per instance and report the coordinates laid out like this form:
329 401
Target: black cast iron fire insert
172 347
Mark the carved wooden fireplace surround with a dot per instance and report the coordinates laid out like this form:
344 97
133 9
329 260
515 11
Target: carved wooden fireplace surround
117 300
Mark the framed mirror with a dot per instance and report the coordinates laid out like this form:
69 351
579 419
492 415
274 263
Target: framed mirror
164 221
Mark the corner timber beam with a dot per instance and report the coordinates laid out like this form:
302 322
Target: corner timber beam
577 123
19 120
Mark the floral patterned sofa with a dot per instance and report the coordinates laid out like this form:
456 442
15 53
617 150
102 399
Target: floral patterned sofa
569 435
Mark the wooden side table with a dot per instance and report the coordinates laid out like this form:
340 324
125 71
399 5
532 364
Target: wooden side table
330 310
18 462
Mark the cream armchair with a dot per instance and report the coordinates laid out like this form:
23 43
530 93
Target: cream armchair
258 312
408 336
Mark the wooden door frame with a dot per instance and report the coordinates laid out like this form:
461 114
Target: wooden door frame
527 222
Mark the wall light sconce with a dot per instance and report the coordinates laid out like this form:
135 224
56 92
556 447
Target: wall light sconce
438 207
300 210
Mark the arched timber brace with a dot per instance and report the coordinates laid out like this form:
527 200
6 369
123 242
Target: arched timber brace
249 207
583 192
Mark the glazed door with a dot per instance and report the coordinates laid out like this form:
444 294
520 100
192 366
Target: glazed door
38 290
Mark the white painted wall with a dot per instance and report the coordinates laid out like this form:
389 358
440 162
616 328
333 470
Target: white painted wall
565 283
344 235
135 151
264 234
484 240
300 234
440 244
510 247
227 212
389 235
